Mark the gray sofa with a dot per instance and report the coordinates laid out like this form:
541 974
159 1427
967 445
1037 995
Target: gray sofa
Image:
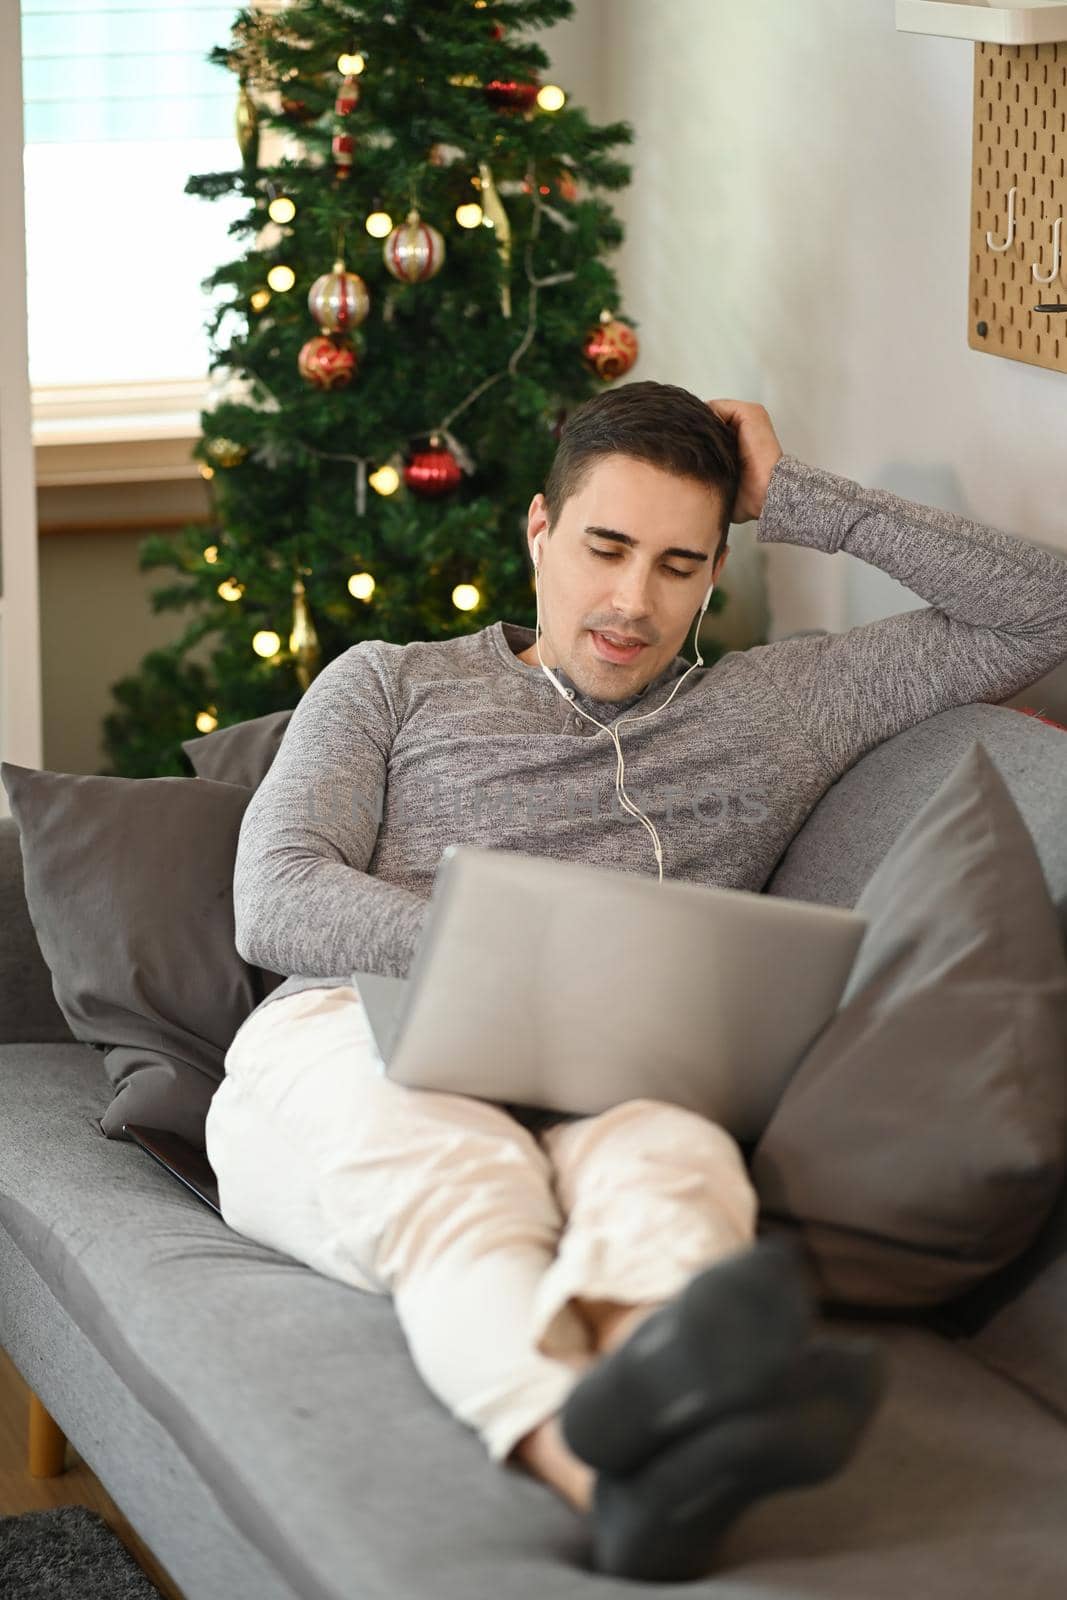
264 1430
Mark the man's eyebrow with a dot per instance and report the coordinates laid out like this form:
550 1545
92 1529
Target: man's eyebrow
625 538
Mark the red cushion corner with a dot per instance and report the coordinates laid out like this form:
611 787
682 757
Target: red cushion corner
1028 711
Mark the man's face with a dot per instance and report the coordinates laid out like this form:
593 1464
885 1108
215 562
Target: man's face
631 555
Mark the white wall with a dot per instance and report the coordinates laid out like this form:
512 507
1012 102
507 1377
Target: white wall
798 234
20 655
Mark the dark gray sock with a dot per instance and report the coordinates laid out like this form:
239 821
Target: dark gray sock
711 1349
662 1523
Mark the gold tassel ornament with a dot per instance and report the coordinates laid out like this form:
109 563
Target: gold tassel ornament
246 123
493 207
303 640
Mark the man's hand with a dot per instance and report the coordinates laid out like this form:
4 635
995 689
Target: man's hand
759 450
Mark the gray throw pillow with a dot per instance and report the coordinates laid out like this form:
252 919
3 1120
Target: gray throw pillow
129 886
241 753
922 1141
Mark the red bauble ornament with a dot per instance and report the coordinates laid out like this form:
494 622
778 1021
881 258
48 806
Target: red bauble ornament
327 363
432 472
506 95
610 349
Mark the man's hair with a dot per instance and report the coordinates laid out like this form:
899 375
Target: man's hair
660 423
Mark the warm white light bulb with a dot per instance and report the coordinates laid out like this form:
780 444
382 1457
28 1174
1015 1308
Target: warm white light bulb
281 278
379 224
259 298
361 585
465 597
230 589
551 97
350 66
266 642
469 215
205 722
211 554
282 209
386 480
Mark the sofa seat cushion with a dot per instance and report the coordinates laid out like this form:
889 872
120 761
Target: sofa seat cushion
295 1397
1017 1320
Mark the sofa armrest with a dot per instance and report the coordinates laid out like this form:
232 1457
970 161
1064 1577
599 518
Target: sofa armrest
28 1010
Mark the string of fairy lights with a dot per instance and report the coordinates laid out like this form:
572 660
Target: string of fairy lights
412 250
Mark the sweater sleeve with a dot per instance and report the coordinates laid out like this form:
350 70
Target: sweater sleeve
997 618
304 903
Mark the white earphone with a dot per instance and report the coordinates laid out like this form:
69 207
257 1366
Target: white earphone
568 694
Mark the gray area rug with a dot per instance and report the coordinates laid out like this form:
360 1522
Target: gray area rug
68 1553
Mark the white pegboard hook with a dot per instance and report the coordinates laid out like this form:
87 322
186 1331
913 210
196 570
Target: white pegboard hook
1057 257
1011 226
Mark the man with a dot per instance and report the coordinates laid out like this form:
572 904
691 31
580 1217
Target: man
588 1292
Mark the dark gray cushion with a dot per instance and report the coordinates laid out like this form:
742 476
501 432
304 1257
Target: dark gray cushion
28 1010
241 753
129 885
923 1139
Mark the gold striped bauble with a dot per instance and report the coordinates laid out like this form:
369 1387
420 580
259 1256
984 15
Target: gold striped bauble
339 300
413 251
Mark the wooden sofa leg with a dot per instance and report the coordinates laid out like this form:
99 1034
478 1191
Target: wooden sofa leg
48 1442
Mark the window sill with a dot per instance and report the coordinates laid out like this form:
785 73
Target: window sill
119 433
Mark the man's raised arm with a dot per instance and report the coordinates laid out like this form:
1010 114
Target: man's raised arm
304 904
997 619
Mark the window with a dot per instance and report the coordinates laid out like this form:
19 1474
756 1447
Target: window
121 106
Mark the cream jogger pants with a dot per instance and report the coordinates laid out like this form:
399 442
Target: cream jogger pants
481 1231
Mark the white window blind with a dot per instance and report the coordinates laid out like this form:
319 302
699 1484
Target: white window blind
121 106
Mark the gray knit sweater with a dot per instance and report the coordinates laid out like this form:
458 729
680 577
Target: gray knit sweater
398 750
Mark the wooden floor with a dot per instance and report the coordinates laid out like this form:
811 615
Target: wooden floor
76 1486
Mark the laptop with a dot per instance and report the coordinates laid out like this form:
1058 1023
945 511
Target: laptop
573 987
189 1165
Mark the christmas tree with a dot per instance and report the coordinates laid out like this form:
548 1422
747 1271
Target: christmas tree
422 300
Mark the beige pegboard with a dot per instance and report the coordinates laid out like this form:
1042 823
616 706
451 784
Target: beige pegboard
1020 141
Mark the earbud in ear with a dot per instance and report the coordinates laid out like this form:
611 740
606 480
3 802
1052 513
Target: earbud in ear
537 552
707 597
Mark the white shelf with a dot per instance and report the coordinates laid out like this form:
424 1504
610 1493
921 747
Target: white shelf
1036 22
